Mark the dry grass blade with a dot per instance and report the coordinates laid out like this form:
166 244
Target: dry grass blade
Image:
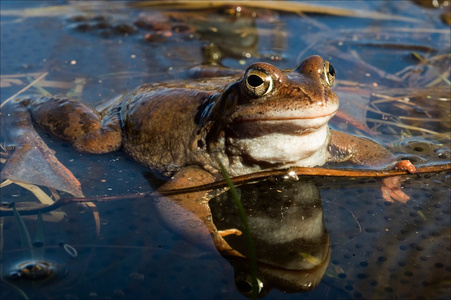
440 78
5 183
420 119
59 10
8 82
285 6
54 216
401 125
40 194
397 29
42 197
24 89
19 79
385 114
77 90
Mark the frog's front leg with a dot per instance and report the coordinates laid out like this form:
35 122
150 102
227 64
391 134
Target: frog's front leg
77 123
190 214
344 147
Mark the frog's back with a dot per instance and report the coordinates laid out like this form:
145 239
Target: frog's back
159 123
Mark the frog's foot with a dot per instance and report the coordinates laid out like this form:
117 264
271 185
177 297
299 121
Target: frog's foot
33 162
222 246
391 186
391 190
231 231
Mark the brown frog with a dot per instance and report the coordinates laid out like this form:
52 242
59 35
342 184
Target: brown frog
266 119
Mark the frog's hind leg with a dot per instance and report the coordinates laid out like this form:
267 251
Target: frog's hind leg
32 161
77 123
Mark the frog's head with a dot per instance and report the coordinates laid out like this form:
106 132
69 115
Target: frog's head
269 94
278 116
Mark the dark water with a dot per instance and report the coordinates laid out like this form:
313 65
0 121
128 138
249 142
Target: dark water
377 249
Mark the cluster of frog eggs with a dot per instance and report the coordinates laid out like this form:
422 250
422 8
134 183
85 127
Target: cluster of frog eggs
106 27
400 251
423 151
102 25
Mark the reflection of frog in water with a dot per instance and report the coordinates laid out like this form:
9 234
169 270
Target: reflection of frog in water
286 223
291 241
267 119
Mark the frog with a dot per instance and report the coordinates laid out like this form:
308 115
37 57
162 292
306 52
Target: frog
268 118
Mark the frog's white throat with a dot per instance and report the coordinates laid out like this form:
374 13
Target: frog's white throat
306 148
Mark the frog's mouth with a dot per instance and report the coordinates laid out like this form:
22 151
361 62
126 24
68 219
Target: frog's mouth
258 126
285 141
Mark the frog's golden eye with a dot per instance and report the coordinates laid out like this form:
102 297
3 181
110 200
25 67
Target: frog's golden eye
258 83
328 73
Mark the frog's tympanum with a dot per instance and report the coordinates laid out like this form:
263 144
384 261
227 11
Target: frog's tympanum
267 119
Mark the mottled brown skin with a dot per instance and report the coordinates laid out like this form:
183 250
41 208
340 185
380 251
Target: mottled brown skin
244 123
83 127
347 148
159 128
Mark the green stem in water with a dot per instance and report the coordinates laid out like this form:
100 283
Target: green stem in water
250 242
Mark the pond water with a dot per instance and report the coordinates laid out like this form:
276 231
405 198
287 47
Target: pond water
392 62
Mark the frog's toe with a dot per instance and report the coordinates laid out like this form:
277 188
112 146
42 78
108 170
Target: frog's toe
405 165
391 190
224 233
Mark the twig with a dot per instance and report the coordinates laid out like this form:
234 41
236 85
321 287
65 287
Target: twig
237 181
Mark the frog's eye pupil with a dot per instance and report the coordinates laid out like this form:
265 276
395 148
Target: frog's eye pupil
254 80
331 70
257 83
328 73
